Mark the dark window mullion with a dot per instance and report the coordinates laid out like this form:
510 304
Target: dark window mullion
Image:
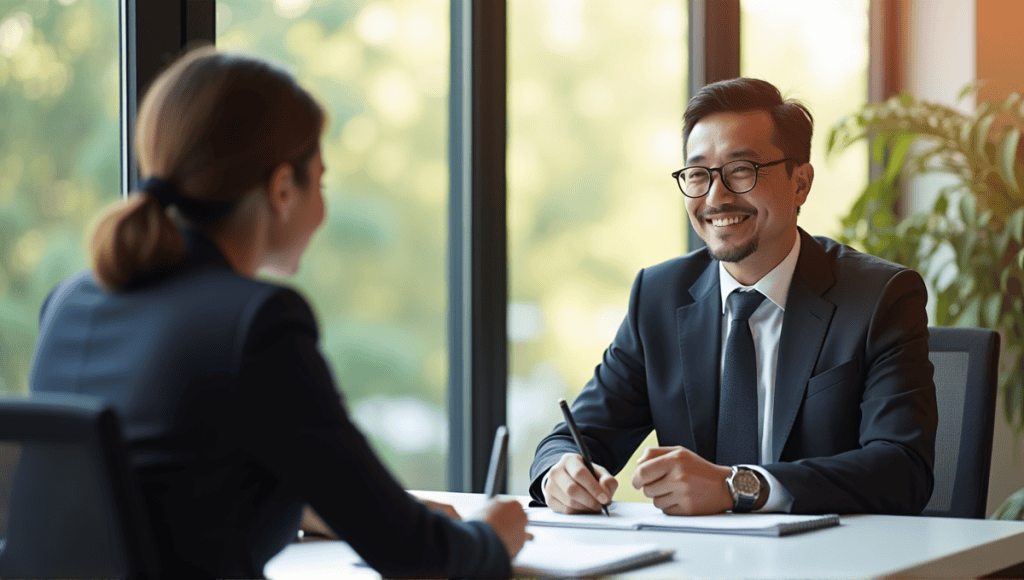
167 26
478 280
886 53
714 42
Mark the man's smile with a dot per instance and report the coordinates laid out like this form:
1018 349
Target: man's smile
727 216
727 221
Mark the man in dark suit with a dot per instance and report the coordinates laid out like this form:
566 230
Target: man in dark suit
781 371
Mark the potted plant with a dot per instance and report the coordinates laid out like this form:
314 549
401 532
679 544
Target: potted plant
969 245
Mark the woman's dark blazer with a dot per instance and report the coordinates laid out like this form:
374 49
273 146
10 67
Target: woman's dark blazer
233 423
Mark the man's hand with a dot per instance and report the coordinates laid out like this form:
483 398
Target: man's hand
572 489
682 483
314 527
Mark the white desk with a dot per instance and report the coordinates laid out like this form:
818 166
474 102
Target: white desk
863 546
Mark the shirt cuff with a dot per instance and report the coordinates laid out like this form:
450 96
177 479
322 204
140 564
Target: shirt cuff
544 487
779 499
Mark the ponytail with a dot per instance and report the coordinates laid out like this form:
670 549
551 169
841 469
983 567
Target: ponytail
135 240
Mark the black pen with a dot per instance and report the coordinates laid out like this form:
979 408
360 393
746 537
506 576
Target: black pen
579 443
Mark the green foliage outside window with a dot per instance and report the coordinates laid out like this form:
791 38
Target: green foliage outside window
59 155
376 273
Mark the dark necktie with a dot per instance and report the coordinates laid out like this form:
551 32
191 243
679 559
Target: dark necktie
737 407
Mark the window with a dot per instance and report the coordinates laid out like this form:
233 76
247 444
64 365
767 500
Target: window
59 160
376 272
596 93
819 55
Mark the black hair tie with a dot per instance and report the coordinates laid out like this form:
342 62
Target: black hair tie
205 211
165 192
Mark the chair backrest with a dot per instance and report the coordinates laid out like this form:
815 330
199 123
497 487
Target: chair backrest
965 361
69 505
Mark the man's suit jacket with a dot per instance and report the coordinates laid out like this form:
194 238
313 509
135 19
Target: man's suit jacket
854 411
233 423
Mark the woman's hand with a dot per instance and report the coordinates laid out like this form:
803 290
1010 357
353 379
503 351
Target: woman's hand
444 508
509 520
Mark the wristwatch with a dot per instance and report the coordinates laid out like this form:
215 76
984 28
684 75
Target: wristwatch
746 486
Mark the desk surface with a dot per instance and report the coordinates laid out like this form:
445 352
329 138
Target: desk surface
862 546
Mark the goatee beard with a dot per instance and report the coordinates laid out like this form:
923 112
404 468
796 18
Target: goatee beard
737 254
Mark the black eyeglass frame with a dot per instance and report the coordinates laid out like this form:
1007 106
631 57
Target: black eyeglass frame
711 175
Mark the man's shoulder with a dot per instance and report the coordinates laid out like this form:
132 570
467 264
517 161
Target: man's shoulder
854 275
848 258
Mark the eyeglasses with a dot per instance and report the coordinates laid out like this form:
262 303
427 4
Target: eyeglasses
738 176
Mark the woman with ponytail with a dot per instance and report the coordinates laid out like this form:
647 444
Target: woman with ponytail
230 411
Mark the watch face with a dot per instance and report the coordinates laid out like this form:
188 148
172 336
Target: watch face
746 482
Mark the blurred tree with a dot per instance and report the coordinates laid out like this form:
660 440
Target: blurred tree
59 155
376 273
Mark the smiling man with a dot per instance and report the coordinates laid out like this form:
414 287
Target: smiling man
781 371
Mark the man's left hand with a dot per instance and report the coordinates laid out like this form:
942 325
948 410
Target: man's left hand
682 483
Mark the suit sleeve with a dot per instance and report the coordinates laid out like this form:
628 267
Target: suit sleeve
892 470
291 419
612 411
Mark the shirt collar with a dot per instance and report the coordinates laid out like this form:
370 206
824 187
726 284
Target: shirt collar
774 285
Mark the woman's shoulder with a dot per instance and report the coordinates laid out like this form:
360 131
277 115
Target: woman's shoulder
222 288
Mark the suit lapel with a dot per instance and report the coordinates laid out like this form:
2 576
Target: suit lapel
804 326
700 339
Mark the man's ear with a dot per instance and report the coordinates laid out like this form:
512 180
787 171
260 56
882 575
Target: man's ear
281 190
804 175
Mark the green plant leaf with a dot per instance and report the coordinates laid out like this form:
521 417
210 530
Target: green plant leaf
984 218
969 88
833 134
1001 241
966 287
1008 160
969 209
944 278
878 146
859 206
1012 508
993 305
897 155
1010 102
1020 259
1015 225
969 316
965 141
980 138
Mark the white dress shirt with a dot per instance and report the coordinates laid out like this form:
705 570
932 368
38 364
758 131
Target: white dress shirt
766 327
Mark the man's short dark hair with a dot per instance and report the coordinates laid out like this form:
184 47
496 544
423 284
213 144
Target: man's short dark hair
792 122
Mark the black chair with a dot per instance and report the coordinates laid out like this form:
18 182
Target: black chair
965 362
69 505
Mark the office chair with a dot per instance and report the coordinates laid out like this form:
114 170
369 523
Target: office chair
69 506
965 361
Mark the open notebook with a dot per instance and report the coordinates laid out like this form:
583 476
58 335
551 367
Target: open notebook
568 559
644 516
